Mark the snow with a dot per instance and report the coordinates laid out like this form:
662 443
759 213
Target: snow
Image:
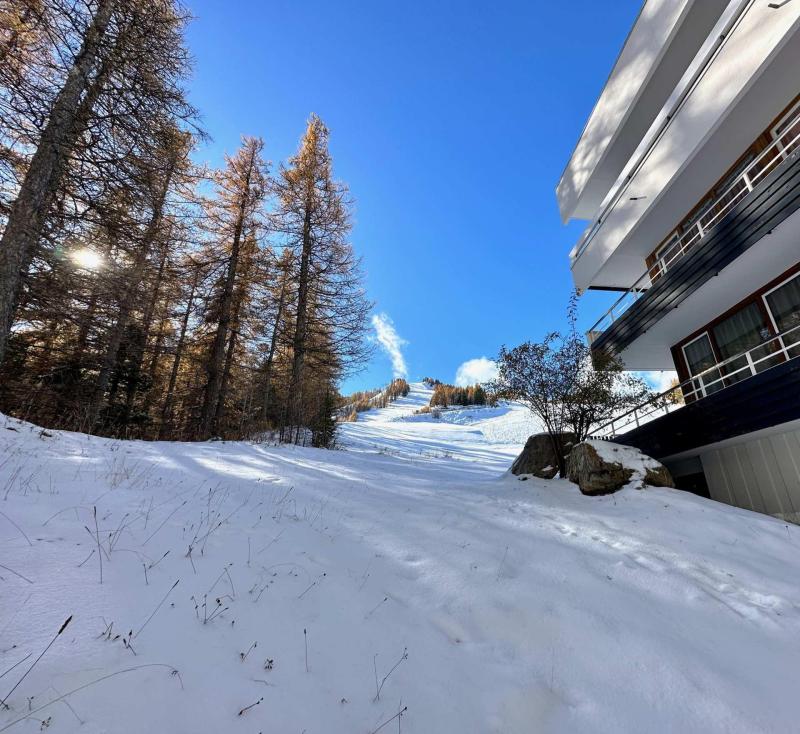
487 436
523 606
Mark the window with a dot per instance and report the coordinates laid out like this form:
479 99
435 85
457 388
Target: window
784 308
700 357
743 332
698 212
729 192
763 333
736 172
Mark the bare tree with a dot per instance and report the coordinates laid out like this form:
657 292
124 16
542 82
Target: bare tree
556 379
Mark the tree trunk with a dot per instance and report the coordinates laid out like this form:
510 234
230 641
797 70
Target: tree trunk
138 353
128 295
226 373
273 342
166 411
299 342
215 367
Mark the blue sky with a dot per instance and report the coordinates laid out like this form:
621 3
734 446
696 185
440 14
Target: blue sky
451 122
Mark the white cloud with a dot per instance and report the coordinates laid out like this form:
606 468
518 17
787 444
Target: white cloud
391 343
660 381
481 369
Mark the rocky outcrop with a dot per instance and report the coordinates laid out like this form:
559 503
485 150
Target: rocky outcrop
602 467
538 457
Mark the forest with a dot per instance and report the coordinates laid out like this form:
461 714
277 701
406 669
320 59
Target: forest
144 294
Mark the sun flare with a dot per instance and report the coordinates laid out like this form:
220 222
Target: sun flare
88 259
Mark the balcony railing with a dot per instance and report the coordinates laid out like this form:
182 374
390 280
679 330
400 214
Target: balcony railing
770 353
766 161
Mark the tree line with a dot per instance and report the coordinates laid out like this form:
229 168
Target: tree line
446 395
144 295
363 400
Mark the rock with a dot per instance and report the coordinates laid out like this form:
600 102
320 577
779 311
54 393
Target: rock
658 476
604 467
538 457
592 474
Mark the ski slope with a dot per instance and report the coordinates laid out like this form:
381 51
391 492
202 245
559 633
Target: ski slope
486 438
407 563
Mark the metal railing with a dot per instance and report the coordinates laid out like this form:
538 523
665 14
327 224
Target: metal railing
765 162
770 353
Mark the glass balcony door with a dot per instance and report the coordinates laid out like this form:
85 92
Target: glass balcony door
783 304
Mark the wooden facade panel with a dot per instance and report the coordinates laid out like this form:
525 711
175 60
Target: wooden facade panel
758 474
748 477
762 457
787 465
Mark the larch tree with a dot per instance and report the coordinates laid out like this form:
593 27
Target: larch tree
133 303
314 219
233 212
118 64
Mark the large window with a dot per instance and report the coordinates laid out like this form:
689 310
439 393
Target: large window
761 333
742 332
784 307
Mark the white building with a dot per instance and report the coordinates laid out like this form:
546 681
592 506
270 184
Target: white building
688 172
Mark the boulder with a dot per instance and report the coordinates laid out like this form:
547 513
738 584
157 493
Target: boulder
602 467
538 457
658 476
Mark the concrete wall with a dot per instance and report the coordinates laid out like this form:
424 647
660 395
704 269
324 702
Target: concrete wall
746 85
659 48
760 474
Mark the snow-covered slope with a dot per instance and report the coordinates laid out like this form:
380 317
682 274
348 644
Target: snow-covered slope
522 606
487 437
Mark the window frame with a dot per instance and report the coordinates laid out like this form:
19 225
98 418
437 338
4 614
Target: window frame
764 295
700 387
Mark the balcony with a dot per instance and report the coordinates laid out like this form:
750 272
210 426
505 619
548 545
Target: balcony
753 390
758 199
